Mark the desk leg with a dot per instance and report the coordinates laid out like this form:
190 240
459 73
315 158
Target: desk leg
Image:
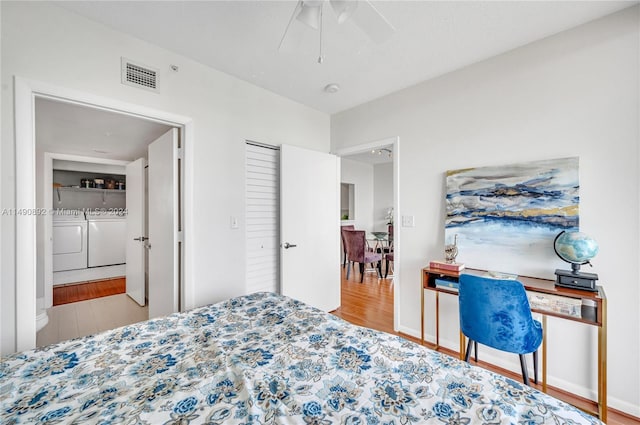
544 353
422 314
437 320
602 365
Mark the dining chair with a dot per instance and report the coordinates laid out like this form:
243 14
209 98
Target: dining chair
344 244
388 250
388 258
496 313
357 252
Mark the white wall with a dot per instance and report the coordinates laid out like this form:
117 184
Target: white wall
45 43
382 195
360 175
575 93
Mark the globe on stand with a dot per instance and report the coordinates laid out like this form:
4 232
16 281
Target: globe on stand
576 249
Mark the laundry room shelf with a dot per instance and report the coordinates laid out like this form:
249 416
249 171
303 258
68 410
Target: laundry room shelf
89 189
104 192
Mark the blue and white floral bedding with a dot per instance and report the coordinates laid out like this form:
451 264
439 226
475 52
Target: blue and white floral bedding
260 359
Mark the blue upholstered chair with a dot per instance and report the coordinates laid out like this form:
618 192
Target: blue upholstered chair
496 313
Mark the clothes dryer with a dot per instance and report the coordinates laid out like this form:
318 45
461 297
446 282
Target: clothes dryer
107 238
69 240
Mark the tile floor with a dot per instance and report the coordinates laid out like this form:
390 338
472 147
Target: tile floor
83 318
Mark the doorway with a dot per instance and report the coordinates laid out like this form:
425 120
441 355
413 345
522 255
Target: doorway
375 164
262 200
64 170
114 219
291 198
26 92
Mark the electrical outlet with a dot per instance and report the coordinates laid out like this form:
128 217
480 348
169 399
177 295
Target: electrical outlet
408 221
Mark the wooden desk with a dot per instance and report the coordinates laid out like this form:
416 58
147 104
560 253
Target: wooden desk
594 313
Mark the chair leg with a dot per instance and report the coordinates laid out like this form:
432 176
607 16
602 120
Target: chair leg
386 268
523 365
348 269
466 356
344 262
361 272
535 366
475 350
379 268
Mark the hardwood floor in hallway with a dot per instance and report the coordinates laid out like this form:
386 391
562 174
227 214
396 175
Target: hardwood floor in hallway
82 291
370 304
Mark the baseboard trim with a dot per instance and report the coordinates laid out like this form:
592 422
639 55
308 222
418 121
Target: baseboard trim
624 408
408 331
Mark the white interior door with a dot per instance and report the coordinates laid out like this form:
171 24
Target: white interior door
163 225
310 226
135 250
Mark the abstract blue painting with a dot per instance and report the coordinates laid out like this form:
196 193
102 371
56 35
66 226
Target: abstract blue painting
506 217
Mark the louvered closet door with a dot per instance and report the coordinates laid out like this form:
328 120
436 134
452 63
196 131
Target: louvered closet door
262 218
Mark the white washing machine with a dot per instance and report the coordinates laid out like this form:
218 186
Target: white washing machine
69 240
107 238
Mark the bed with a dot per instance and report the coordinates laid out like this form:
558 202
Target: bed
260 359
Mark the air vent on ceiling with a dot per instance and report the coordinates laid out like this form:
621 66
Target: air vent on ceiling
138 75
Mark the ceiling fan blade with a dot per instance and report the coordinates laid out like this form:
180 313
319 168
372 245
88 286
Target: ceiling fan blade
371 22
343 9
310 13
295 13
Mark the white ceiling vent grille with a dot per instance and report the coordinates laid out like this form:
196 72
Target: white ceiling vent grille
138 75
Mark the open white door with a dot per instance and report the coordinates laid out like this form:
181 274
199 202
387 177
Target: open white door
310 226
135 230
164 282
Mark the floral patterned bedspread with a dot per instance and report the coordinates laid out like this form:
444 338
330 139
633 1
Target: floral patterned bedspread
260 359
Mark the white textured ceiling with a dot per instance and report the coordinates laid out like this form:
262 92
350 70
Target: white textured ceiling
241 38
73 129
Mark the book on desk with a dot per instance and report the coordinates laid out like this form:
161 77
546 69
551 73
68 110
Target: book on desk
446 283
443 265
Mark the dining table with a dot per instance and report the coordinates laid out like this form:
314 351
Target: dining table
379 242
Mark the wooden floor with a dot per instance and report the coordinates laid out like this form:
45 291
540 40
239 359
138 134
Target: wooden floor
370 304
371 307
82 291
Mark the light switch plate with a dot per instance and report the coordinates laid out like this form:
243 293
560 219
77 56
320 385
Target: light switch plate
234 222
408 221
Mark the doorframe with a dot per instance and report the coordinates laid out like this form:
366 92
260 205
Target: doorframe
366 147
48 222
25 93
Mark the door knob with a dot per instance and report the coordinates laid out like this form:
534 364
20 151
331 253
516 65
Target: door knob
287 245
141 239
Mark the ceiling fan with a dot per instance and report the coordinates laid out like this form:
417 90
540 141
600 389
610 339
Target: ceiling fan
361 12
